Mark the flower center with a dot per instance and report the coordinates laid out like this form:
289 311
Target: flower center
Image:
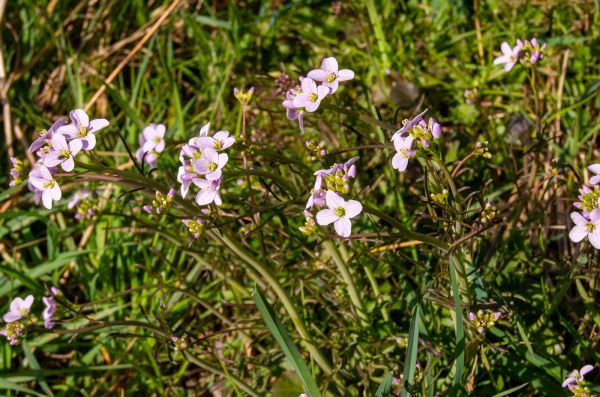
43 132
590 227
213 166
331 77
83 131
23 311
65 154
49 184
218 145
157 139
339 212
313 97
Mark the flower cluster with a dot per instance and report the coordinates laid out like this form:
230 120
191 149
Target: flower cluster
587 222
316 150
195 226
161 203
19 309
202 164
152 142
577 384
16 172
481 149
483 320
307 96
85 204
180 343
488 213
441 197
528 51
471 96
58 147
416 134
330 184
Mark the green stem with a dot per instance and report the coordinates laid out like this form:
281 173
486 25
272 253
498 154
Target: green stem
343 269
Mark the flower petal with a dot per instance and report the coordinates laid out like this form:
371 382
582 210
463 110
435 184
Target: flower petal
578 218
80 118
330 64
343 227
353 208
317 75
345 74
595 239
578 233
326 216
586 369
334 200
98 124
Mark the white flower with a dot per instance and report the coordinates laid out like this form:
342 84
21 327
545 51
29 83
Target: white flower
209 191
509 57
311 95
404 152
330 75
82 128
210 164
154 138
62 152
42 180
339 212
586 228
19 308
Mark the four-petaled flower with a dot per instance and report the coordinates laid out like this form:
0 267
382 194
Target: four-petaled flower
210 164
42 180
154 138
339 212
404 152
209 191
311 95
577 376
82 128
330 74
586 228
509 57
19 308
62 152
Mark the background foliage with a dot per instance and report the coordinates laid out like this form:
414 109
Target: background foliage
130 280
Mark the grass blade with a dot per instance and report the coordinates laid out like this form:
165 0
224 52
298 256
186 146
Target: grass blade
459 330
411 352
289 348
385 387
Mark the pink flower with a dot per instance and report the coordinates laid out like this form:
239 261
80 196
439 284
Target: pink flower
595 169
209 191
292 112
509 57
154 138
41 179
210 164
62 153
330 75
339 212
404 152
219 141
50 309
82 128
409 125
311 96
578 376
19 308
586 228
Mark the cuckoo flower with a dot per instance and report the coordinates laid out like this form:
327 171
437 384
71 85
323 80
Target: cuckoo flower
154 138
82 128
339 212
577 376
209 191
311 95
50 308
45 136
16 172
62 152
210 164
219 141
586 228
509 57
292 112
404 152
408 125
330 74
19 308
42 180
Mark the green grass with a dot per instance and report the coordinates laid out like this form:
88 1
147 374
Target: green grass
345 313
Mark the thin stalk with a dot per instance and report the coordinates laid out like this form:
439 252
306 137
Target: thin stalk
343 269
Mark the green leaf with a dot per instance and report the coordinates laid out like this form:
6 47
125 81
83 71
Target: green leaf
510 391
289 348
35 366
410 361
385 387
459 330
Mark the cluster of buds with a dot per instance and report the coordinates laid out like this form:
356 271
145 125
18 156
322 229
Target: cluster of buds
316 150
195 226
441 197
483 320
16 172
577 384
85 204
161 203
310 225
415 134
401 341
243 97
180 343
488 213
471 96
12 332
481 149
152 143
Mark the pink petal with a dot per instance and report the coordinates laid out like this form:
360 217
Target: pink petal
222 160
568 381
11 317
586 369
500 60
594 240
326 216
578 233
68 164
343 227
308 86
52 159
317 75
330 64
47 199
97 124
345 74
323 91
506 49
75 146
578 218
89 142
311 106
333 200
80 117
69 130
353 208
205 197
